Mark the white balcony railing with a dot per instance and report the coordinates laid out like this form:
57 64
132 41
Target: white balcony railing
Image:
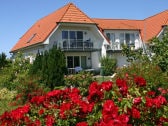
76 44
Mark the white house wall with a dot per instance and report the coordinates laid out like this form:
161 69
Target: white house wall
95 57
121 60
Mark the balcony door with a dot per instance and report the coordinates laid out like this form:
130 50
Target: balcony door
74 38
83 62
73 61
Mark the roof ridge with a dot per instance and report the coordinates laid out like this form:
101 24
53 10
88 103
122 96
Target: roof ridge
71 5
68 5
85 14
116 19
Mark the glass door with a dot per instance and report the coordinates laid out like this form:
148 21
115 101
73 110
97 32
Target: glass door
76 61
83 62
70 61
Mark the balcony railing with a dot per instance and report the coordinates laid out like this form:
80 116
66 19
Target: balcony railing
76 44
118 46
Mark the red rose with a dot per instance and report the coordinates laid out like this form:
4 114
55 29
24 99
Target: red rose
110 111
135 113
137 101
107 86
49 120
82 124
140 81
41 111
149 102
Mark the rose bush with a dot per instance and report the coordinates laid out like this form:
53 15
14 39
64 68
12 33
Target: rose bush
126 102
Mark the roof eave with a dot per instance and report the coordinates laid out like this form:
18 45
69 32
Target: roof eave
27 47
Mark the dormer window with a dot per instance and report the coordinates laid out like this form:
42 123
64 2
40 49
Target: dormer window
31 38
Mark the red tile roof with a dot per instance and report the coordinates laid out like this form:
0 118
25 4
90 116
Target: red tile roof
149 27
154 24
69 13
43 27
107 24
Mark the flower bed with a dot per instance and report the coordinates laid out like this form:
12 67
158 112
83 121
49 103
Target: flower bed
127 101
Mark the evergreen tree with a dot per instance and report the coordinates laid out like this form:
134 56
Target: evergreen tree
56 67
50 67
45 72
37 64
3 60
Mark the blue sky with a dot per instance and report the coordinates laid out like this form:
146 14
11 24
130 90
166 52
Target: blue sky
17 16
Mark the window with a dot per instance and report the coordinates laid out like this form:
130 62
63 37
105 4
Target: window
111 36
76 61
73 61
121 37
132 38
108 35
72 38
127 38
74 35
64 34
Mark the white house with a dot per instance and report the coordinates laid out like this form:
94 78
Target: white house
85 40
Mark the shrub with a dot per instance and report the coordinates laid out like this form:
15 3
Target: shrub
6 98
108 65
29 88
126 101
151 72
80 80
50 67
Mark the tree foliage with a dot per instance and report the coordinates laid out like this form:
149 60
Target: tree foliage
159 49
3 60
108 65
51 67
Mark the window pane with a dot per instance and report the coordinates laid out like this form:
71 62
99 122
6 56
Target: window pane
121 38
70 61
112 37
132 38
72 35
83 62
80 35
76 61
108 35
64 34
127 38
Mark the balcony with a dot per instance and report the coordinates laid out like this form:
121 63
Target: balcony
78 45
118 47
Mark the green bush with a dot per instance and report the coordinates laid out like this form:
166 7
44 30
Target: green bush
108 65
81 80
6 98
159 49
28 88
50 67
153 74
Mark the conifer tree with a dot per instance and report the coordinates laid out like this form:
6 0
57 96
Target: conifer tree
37 64
3 60
56 67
